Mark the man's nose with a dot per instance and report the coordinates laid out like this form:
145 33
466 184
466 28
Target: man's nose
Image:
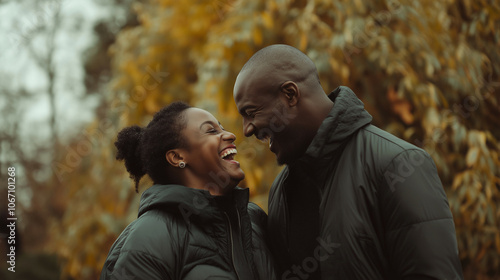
248 128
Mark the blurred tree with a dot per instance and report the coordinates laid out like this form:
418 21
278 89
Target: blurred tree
428 72
38 44
97 62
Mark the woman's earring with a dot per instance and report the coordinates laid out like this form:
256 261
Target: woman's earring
182 164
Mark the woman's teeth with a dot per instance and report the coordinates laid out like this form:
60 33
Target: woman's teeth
228 152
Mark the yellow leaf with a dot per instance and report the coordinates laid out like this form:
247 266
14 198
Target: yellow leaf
400 106
303 42
497 241
267 20
472 156
257 36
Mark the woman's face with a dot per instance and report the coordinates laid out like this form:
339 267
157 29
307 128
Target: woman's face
210 151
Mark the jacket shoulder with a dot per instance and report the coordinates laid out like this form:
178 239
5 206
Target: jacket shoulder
149 240
384 146
152 226
383 153
394 143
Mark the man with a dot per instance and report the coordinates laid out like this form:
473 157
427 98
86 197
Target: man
353 202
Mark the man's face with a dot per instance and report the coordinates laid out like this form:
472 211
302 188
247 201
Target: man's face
267 115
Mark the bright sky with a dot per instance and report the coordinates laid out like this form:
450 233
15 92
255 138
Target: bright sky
74 35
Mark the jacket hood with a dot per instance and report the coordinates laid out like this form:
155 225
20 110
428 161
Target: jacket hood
186 200
347 116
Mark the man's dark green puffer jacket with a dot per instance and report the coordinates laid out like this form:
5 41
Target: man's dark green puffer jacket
182 233
380 212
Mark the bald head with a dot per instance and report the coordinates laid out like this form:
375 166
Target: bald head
286 62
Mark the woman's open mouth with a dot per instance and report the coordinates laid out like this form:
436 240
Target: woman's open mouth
228 155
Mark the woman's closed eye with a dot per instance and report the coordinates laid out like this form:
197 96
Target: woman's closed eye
213 128
212 131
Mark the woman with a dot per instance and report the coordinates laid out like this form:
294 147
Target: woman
194 223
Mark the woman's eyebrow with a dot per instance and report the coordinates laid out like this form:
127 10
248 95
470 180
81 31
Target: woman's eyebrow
207 122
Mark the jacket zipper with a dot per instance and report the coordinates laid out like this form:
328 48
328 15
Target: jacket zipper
239 222
232 245
287 228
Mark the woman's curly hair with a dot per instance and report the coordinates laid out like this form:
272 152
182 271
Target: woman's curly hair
144 149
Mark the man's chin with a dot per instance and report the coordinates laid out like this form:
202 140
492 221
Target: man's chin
282 160
282 157
286 159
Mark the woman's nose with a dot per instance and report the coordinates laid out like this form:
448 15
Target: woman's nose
228 136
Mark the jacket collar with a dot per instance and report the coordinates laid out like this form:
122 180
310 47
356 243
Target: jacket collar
345 118
188 201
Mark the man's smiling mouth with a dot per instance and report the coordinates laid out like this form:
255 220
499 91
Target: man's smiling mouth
266 138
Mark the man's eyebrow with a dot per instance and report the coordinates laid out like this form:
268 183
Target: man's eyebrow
244 109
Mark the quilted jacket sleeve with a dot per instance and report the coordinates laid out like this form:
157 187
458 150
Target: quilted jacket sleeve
136 265
142 252
420 233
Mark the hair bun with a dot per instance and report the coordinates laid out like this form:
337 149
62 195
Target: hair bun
128 144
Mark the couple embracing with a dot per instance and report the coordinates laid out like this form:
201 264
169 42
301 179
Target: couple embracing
353 201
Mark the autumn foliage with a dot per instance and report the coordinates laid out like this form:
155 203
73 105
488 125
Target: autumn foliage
428 71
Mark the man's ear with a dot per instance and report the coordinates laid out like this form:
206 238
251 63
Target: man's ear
174 157
290 92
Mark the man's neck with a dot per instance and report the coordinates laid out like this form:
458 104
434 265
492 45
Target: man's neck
319 110
315 117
